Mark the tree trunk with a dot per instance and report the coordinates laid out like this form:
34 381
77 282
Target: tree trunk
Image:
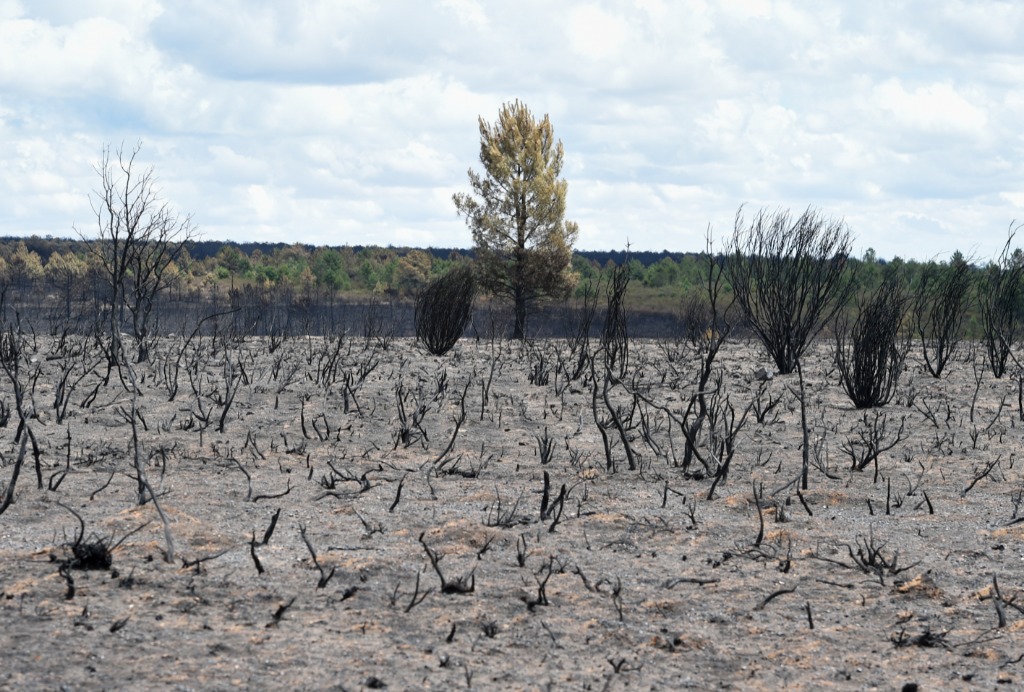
520 328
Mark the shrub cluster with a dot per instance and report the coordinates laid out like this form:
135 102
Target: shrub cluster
444 308
870 355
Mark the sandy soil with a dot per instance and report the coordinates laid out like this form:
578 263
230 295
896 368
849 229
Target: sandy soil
635 580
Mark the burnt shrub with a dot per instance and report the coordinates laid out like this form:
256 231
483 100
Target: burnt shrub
444 308
615 336
790 277
871 353
999 294
940 304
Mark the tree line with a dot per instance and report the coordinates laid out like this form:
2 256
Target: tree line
660 281
347 269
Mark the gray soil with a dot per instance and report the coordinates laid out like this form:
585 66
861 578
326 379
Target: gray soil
636 579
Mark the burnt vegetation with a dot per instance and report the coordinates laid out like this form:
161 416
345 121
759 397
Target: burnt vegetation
444 309
790 278
940 305
287 478
870 353
999 296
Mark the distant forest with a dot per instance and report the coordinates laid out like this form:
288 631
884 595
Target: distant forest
202 250
49 272
345 267
354 270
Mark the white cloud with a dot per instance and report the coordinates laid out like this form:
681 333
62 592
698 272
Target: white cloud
932 109
596 34
354 121
469 12
229 162
751 9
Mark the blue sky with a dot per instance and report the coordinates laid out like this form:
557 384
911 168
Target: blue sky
351 122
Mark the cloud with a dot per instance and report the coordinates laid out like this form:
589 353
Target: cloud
471 14
933 109
351 121
596 34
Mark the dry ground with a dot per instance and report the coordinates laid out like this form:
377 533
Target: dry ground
635 580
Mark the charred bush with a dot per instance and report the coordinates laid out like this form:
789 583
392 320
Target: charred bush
443 310
715 320
615 336
1000 296
940 304
578 340
870 354
696 318
790 277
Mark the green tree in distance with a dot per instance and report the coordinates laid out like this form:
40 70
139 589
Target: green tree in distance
516 212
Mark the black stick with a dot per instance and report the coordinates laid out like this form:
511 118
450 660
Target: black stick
760 516
398 496
270 529
252 551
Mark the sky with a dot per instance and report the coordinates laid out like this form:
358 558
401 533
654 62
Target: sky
348 122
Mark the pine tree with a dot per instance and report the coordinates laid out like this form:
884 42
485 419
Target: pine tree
516 212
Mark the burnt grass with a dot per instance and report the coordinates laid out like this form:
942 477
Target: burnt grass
373 518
